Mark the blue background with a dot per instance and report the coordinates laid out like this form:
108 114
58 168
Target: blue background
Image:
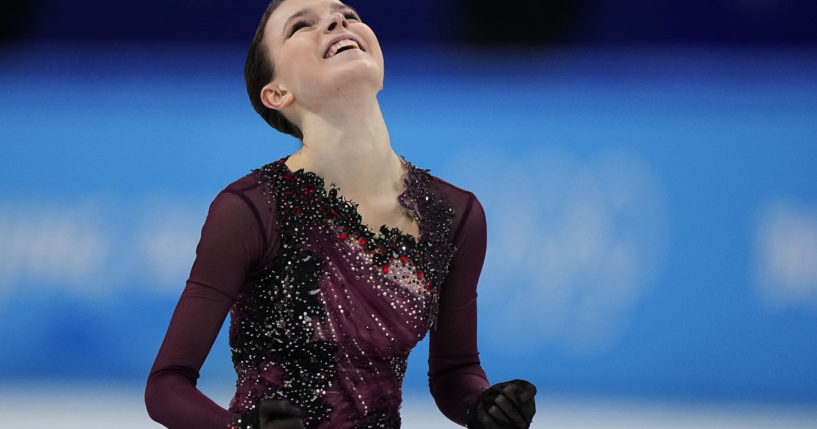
651 195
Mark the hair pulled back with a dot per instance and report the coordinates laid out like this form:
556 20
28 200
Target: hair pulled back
259 71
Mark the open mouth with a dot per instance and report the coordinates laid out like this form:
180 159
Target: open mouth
340 46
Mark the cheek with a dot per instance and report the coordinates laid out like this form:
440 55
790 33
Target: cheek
379 52
292 65
373 42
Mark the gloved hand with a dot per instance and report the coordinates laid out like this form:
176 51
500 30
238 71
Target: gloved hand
507 405
272 414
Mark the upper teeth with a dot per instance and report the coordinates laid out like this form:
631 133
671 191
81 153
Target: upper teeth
342 44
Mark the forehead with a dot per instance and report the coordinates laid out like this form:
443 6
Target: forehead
287 9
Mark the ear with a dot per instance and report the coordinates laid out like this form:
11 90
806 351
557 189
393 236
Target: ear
275 96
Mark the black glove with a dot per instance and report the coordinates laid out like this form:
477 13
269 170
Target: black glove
272 414
507 405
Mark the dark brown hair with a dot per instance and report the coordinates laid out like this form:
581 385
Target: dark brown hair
259 71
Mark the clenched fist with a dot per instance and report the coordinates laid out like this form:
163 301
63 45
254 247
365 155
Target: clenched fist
507 405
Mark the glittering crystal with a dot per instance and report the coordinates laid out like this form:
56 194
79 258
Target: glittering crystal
336 318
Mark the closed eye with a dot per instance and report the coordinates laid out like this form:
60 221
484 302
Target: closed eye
351 15
297 26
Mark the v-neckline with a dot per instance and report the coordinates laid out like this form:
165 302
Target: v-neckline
320 184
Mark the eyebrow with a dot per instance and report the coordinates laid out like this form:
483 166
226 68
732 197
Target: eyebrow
305 11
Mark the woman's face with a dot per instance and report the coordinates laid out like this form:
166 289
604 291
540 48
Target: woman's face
321 47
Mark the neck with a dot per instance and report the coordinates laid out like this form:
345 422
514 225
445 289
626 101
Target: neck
349 145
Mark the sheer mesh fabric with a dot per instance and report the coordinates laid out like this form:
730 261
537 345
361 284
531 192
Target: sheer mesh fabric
324 311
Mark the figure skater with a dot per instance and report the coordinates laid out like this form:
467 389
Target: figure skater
333 262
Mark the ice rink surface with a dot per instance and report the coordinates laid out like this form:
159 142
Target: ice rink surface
122 408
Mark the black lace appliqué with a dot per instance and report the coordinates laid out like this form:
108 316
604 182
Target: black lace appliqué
275 323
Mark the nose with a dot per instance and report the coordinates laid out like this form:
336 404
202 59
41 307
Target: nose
336 20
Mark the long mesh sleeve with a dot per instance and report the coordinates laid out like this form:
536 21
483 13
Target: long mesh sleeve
455 376
232 243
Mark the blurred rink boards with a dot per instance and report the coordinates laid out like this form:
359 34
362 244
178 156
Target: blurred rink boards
652 222
102 407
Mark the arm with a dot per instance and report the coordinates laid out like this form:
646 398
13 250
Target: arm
455 376
232 242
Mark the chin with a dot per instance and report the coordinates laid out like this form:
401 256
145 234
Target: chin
357 73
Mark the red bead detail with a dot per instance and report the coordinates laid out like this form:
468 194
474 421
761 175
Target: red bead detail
403 258
362 241
420 275
385 269
342 236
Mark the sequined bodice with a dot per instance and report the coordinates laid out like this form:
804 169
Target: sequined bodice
330 323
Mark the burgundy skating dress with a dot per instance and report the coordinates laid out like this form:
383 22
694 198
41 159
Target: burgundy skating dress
324 311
